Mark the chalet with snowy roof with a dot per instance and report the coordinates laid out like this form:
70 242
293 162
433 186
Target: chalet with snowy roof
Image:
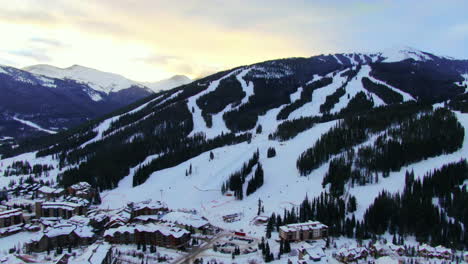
380 249
49 193
82 190
62 234
11 217
434 252
187 220
63 209
347 255
163 235
149 207
303 231
310 254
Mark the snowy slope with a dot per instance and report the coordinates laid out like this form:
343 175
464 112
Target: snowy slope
34 125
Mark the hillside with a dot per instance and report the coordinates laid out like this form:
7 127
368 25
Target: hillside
344 127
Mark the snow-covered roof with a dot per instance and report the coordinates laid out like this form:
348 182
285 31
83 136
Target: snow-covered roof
150 204
353 251
146 218
11 229
10 213
96 253
66 228
166 230
186 219
50 190
315 252
310 225
63 205
81 186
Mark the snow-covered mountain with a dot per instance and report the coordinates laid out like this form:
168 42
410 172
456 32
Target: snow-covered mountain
306 117
44 99
174 81
100 81
104 81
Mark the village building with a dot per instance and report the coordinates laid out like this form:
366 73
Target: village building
96 254
148 208
50 193
188 221
62 234
82 190
162 235
64 209
434 252
347 255
303 231
11 217
380 249
260 220
310 254
232 217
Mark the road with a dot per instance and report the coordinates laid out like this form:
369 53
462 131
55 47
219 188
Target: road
197 250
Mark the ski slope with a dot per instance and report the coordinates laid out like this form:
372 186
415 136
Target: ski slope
34 125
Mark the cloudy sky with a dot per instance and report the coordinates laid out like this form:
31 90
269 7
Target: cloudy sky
148 40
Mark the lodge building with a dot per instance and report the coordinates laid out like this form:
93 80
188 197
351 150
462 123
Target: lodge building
163 235
64 209
11 217
304 231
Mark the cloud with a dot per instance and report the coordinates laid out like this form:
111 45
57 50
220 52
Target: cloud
37 55
158 38
159 59
47 41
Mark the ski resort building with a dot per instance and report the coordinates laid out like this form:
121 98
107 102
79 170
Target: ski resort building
64 209
187 221
303 231
11 217
148 208
50 193
61 235
434 252
347 255
82 190
162 235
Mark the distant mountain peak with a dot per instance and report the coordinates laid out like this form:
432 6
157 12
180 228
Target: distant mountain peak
174 81
400 53
98 80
